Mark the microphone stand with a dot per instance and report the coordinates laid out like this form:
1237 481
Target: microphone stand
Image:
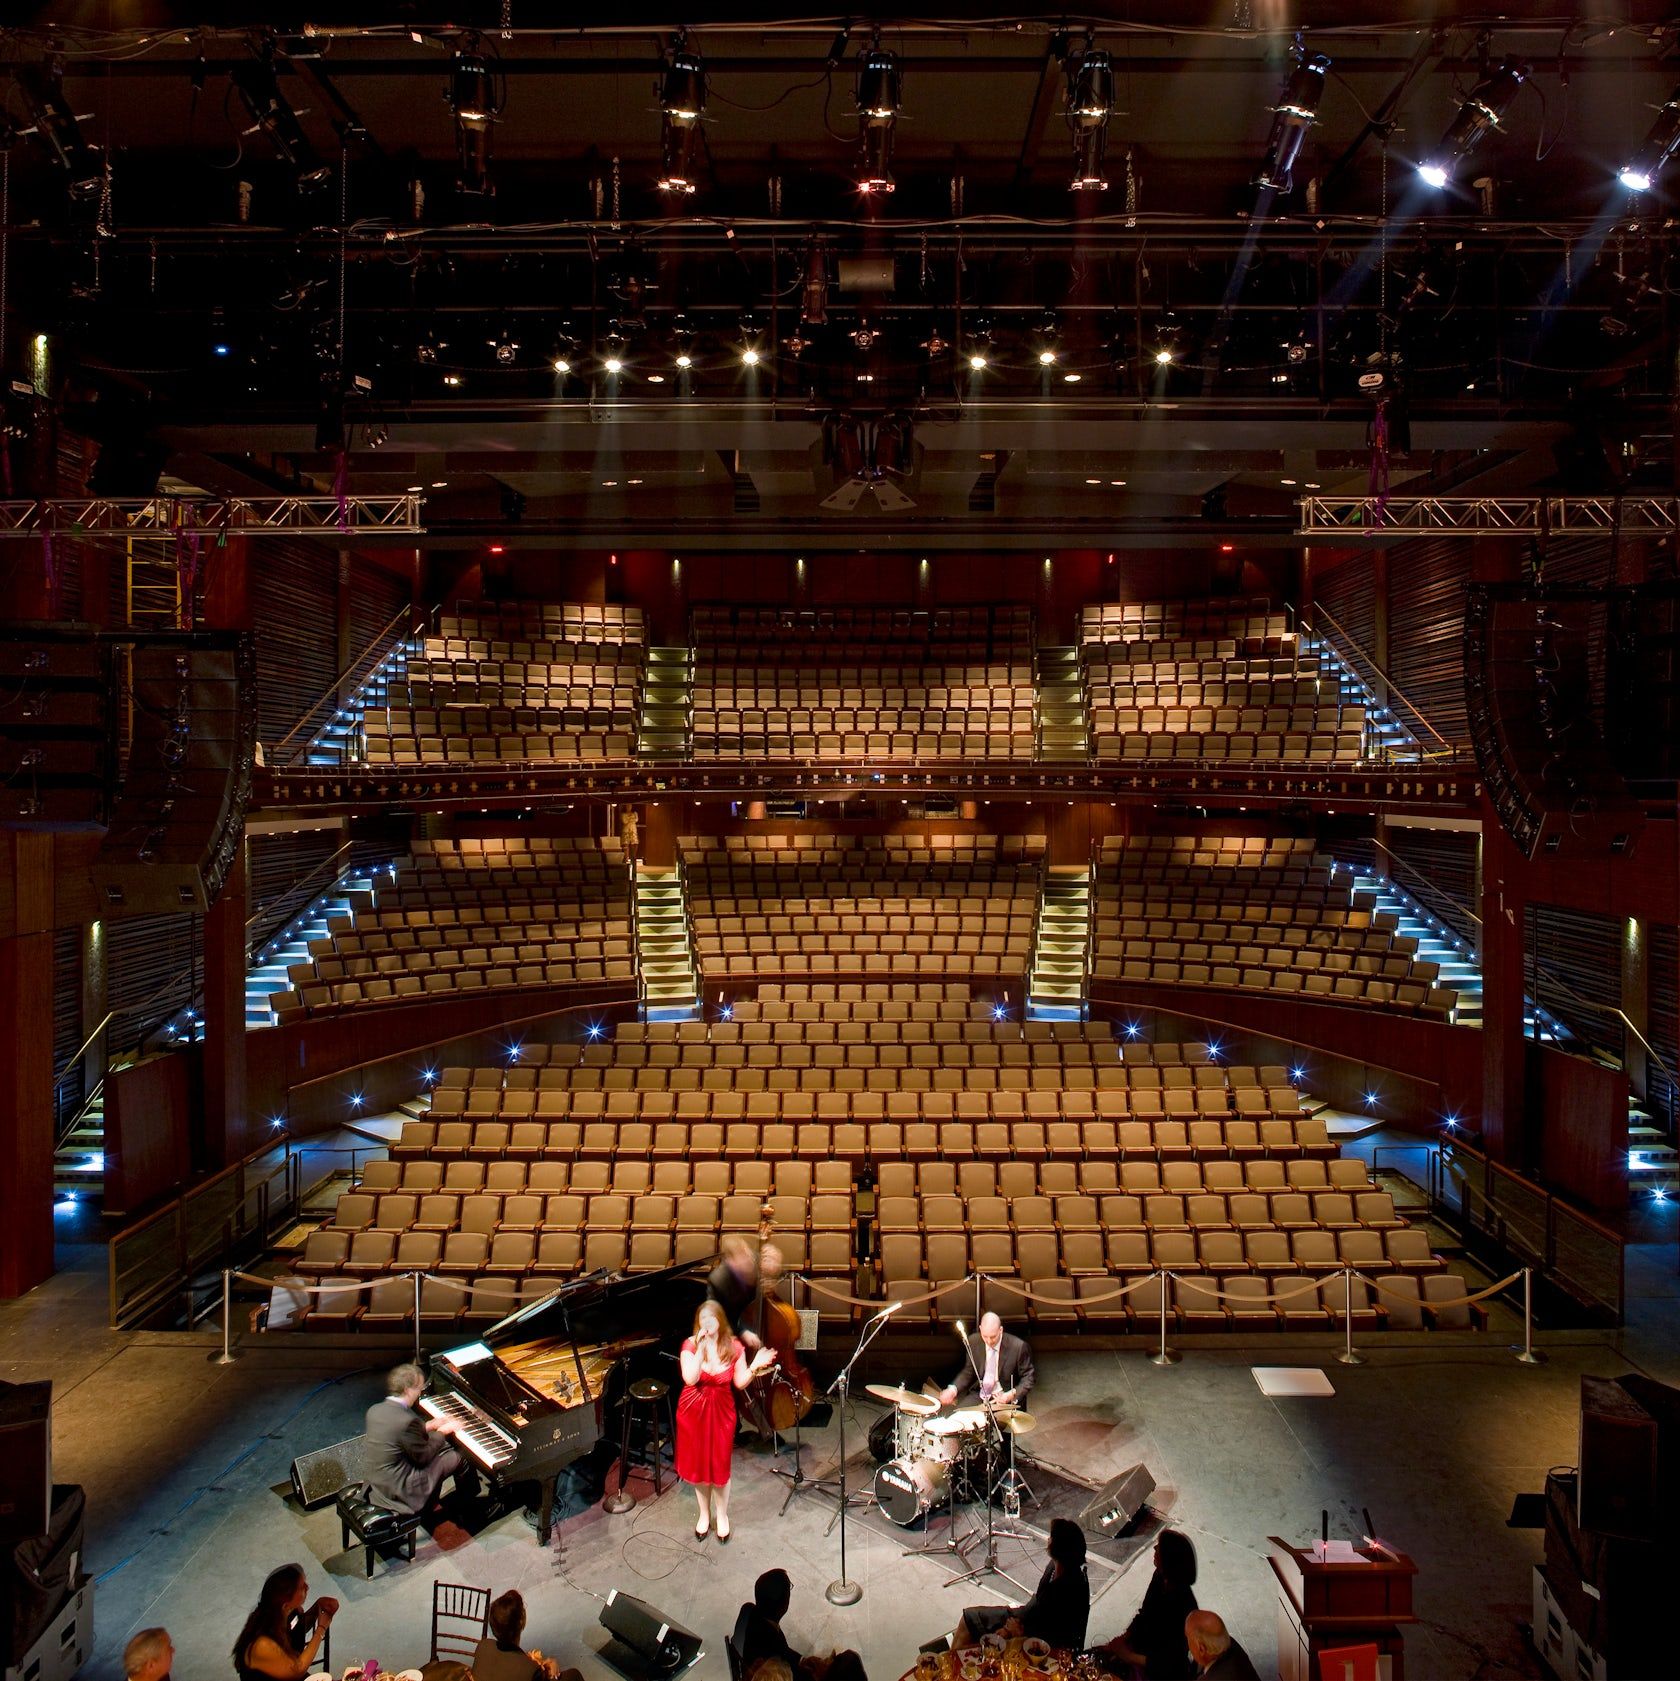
842 1590
988 1566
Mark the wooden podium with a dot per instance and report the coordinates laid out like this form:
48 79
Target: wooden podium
1336 1594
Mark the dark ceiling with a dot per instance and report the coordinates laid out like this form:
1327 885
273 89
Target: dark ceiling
1520 319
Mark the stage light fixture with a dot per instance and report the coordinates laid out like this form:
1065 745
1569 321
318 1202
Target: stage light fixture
751 355
561 364
259 92
1090 105
682 107
1488 102
473 97
504 347
59 130
1047 339
980 344
1640 175
1292 116
878 90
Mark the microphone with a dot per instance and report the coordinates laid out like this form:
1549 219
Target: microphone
890 1309
962 1329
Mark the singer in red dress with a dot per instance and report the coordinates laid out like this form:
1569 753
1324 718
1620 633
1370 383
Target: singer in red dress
714 1366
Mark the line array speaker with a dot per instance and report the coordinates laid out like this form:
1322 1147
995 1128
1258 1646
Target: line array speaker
1532 711
55 726
178 817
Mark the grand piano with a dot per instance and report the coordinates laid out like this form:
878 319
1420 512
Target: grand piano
539 1388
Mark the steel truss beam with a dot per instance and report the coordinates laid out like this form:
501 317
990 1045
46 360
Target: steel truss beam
1518 516
166 517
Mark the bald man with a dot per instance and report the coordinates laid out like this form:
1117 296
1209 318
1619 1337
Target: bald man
1002 1361
1217 1655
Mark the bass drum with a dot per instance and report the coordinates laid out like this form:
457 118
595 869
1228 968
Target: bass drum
906 1488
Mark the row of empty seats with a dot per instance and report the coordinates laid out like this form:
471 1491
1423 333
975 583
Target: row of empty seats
825 905
475 914
862 633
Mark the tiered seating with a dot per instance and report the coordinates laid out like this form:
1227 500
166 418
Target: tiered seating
1254 913
515 681
528 911
1210 681
863 683
831 905
642 1150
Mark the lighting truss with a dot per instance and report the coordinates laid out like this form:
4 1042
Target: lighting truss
1529 516
170 516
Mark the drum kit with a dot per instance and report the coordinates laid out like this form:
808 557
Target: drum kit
939 1458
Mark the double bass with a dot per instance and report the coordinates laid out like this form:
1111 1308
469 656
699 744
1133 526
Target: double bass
784 1392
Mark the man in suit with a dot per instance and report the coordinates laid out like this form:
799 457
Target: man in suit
758 1629
998 1361
407 1456
1218 1657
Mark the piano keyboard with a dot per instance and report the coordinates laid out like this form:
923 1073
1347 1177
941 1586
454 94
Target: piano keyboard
487 1442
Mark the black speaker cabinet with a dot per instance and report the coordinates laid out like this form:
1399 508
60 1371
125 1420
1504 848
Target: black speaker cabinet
318 1476
25 1461
643 1642
179 815
1118 1502
1534 712
1618 1481
55 726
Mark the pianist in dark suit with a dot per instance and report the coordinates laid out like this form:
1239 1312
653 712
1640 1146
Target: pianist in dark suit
408 1457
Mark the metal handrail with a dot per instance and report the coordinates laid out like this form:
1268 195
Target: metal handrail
278 755
1393 689
1412 870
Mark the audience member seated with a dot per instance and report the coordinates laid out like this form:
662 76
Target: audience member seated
1058 1610
148 1656
1218 1657
758 1627
500 1657
281 1638
1155 1646
839 1666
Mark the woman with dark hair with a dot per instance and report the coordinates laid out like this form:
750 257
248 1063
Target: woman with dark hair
1056 1613
1154 1645
501 1655
280 1638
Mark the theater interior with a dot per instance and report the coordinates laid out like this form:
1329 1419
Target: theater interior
1032 661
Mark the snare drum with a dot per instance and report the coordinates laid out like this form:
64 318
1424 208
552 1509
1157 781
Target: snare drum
944 1439
906 1488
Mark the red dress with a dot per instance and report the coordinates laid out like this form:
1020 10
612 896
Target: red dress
706 1422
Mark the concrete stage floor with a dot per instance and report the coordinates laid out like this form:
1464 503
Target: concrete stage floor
1435 1435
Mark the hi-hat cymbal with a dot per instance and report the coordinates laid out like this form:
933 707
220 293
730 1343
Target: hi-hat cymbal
1019 1423
906 1400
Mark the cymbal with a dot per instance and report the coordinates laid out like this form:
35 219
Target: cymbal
906 1400
1019 1422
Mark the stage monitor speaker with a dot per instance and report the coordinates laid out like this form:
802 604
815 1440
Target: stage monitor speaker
318 1476
1118 1503
1617 1483
644 1642
178 820
25 1461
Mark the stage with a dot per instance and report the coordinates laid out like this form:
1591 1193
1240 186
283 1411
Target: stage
181 1460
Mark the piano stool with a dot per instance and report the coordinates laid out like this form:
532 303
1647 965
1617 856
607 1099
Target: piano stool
373 1525
648 1403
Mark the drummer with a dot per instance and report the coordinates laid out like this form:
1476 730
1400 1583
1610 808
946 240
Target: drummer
1000 1362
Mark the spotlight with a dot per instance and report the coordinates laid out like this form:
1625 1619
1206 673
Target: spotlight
1488 102
877 103
1293 115
1090 105
751 355
505 347
59 130
473 97
682 105
980 344
1660 145
1048 335
427 347
1164 356
684 360
978 360
562 364
613 348
452 379
259 92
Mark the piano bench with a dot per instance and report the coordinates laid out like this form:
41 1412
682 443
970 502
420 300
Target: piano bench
372 1525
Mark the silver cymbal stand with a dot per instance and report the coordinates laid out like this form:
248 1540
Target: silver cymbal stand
1012 1485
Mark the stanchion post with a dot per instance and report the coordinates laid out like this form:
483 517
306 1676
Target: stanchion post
227 1356
417 1319
1349 1355
1528 1356
1164 1356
